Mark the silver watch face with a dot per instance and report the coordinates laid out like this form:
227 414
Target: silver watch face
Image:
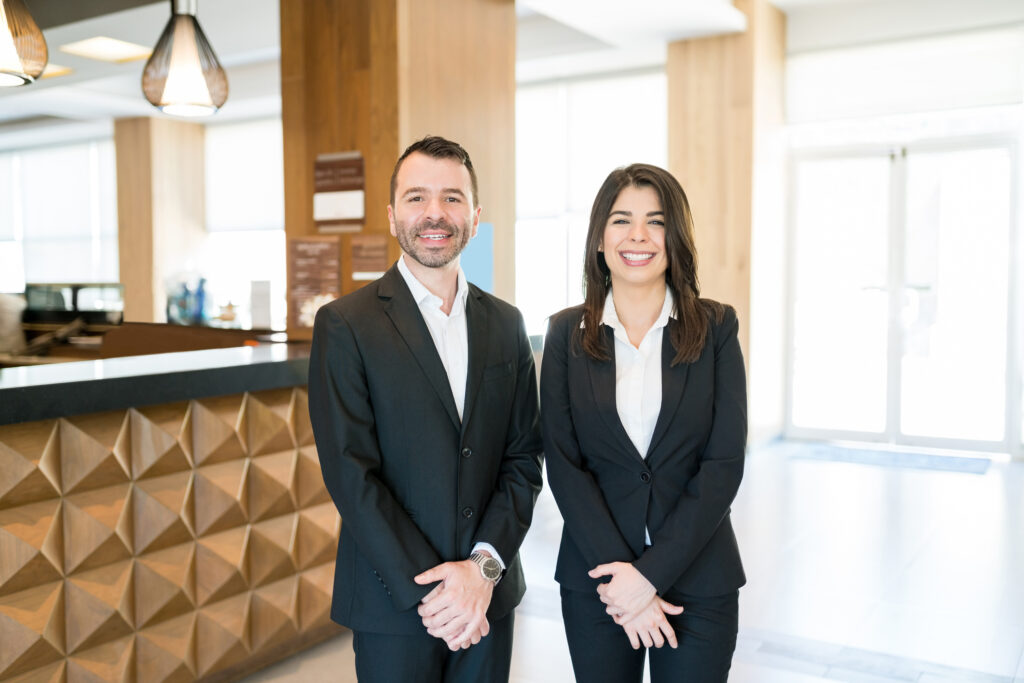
491 569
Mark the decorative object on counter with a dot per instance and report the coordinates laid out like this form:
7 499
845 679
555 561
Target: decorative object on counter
228 312
259 304
23 53
12 339
187 305
183 76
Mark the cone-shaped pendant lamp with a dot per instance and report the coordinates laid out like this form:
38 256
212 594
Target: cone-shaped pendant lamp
183 76
23 51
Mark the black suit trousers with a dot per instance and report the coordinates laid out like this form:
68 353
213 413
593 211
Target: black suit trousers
421 658
601 652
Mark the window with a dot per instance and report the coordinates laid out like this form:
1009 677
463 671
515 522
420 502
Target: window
569 136
245 218
58 215
12 274
245 176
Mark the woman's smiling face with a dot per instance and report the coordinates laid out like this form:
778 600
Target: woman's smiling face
634 238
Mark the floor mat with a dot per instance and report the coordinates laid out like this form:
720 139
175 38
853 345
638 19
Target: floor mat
890 458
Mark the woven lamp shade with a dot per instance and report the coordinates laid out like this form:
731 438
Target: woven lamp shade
183 76
23 52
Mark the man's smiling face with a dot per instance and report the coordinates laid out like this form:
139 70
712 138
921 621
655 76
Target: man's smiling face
434 214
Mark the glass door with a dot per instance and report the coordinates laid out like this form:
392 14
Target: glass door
839 295
956 286
902 318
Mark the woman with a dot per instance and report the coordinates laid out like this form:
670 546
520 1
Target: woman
643 407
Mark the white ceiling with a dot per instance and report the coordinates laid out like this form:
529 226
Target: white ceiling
601 31
560 38
555 38
641 21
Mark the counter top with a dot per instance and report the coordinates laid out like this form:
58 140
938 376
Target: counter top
63 389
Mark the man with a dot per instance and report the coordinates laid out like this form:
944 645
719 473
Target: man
423 399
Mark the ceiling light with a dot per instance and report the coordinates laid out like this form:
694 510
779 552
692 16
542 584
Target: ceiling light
23 51
105 49
53 70
183 76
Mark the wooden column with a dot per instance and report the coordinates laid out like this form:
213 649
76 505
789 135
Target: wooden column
725 111
464 89
160 208
375 75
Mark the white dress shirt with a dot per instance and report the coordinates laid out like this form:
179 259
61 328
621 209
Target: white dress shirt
638 376
448 330
451 339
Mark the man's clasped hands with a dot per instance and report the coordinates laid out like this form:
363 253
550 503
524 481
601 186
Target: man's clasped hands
456 609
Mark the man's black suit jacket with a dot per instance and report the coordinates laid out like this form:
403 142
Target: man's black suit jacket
415 486
681 489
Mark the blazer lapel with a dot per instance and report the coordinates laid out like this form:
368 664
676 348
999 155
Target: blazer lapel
602 382
673 381
476 328
407 319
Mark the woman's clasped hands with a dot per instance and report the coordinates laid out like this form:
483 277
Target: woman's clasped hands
634 604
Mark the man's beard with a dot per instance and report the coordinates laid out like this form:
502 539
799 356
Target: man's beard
424 254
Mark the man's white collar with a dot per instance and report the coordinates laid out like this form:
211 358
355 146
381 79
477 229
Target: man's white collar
420 293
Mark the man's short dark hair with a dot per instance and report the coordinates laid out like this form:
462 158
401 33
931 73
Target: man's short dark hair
438 148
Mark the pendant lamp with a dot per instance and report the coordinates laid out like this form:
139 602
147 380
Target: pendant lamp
183 76
23 51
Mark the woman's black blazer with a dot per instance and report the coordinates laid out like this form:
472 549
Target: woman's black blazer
681 489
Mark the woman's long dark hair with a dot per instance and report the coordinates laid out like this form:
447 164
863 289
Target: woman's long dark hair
692 313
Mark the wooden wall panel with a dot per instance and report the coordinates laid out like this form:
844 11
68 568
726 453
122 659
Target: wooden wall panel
135 217
160 208
179 202
339 92
464 89
721 101
189 541
373 76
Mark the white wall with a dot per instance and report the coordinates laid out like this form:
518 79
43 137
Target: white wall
842 24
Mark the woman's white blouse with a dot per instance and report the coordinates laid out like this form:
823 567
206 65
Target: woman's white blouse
638 374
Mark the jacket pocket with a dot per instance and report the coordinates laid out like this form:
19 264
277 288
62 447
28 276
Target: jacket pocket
499 370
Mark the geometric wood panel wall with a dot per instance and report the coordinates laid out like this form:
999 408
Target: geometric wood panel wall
180 542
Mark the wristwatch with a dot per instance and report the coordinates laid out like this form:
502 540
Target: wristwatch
489 567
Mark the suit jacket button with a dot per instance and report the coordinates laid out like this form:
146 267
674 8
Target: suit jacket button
645 477
467 452
467 512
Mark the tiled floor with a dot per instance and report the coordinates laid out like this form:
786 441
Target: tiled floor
856 573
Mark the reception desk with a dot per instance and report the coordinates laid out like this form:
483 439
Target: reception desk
162 518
